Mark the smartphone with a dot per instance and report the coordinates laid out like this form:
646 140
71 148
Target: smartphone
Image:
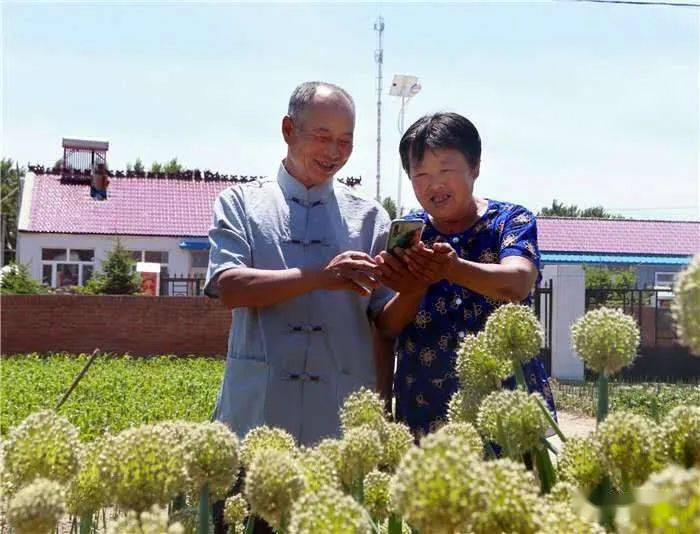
404 233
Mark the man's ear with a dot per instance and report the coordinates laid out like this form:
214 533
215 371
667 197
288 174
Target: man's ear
287 128
477 168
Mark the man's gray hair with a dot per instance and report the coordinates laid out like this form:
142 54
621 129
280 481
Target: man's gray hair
304 94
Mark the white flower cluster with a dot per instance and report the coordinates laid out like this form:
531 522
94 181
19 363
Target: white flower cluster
43 445
513 333
686 305
272 483
37 507
153 521
514 420
606 340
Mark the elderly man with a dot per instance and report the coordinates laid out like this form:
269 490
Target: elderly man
292 255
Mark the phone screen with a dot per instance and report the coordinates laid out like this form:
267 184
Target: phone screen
404 233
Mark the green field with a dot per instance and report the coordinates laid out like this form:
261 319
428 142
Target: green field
119 392
654 399
116 393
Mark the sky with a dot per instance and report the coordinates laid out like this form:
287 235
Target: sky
588 103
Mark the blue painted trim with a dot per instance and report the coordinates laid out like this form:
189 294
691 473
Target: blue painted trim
192 244
632 259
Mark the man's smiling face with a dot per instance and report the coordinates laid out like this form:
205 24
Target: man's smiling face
319 140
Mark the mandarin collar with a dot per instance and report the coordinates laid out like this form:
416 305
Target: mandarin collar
293 189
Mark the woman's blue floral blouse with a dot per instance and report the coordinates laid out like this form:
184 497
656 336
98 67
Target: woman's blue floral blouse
425 379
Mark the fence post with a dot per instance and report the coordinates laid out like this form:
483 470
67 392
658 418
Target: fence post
568 304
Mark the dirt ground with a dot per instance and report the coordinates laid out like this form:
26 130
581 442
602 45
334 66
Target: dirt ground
575 425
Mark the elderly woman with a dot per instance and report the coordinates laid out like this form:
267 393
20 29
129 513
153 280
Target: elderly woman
475 254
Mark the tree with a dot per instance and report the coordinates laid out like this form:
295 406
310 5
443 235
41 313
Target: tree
390 207
11 175
118 276
138 165
559 209
15 279
171 166
605 278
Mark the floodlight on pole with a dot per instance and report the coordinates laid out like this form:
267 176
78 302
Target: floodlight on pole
405 87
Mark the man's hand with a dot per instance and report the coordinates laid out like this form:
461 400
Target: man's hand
352 270
430 264
395 275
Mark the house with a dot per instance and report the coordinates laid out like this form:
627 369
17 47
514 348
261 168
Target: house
64 233
657 250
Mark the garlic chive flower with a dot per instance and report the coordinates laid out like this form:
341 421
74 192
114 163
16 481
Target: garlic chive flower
211 452
36 508
463 407
444 487
513 419
360 453
145 466
363 407
686 306
235 511
44 445
561 492
328 511
681 435
464 432
629 448
376 494
668 502
272 483
264 438
330 448
397 440
606 340
477 366
580 464
153 521
513 333
560 518
319 470
430 488
88 491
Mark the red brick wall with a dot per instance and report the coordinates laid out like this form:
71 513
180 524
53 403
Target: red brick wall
138 325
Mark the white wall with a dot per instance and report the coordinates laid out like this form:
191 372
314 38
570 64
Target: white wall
29 247
568 304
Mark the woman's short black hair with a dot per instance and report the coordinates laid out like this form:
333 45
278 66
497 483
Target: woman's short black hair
440 130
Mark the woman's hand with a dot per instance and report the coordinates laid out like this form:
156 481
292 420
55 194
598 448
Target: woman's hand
395 275
430 264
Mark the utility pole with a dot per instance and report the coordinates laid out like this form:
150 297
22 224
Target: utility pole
379 60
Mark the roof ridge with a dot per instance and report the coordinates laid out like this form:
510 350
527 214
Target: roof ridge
539 217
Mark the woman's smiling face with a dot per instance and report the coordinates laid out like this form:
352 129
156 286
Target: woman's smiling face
443 182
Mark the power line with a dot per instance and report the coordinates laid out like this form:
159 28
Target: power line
637 3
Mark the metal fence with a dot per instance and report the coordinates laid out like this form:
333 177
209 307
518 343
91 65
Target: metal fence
542 300
182 286
651 308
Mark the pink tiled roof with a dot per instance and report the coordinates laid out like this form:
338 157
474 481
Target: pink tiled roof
135 206
618 236
183 208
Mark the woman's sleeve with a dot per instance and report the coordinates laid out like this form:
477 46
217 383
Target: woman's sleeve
518 235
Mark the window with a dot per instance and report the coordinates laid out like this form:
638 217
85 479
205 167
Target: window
153 256
61 267
664 279
200 259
